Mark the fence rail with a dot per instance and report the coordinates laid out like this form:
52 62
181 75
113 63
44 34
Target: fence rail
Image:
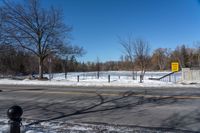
170 77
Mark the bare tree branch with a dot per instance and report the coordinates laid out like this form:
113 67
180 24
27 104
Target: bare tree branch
138 52
41 31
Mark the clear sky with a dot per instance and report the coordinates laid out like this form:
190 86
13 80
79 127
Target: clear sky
97 24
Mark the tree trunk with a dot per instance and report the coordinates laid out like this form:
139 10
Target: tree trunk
41 66
66 67
65 62
133 71
199 60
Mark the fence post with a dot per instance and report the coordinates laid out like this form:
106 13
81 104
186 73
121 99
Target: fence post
133 74
108 78
141 78
175 78
14 113
78 78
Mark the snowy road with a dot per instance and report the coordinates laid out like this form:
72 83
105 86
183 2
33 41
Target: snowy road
174 108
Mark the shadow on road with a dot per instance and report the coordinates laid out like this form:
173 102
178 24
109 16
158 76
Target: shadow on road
179 120
103 104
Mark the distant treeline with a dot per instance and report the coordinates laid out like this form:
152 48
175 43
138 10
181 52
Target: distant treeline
20 62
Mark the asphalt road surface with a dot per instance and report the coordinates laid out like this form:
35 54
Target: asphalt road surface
171 108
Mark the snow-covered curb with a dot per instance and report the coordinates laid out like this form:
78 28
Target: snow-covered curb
73 127
117 79
98 83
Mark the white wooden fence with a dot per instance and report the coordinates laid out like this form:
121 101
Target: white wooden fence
190 74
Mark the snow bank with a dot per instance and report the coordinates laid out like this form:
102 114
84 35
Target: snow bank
119 78
71 127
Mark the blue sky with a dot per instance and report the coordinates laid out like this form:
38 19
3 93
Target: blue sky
97 24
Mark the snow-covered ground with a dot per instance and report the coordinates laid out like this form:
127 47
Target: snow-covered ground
71 127
117 78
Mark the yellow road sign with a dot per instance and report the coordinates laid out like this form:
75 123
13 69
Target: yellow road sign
175 66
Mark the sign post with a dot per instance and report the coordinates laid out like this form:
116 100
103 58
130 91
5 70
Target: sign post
175 66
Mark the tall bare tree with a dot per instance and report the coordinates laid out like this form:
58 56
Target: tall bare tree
129 52
181 54
141 49
198 56
160 58
138 51
98 67
67 52
41 31
198 53
1 24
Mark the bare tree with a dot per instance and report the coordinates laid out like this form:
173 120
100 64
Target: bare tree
198 53
67 52
41 31
141 49
138 51
160 58
181 54
98 67
1 26
129 52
